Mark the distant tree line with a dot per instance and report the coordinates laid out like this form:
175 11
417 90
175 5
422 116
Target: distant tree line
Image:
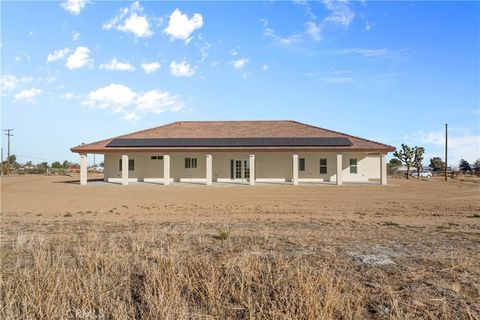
413 158
10 165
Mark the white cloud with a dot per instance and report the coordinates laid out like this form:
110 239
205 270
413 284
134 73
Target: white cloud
150 67
28 95
131 117
79 59
114 64
131 20
181 27
313 30
240 63
69 96
74 6
57 54
265 67
233 52
30 33
75 35
283 41
121 99
361 79
114 96
156 101
365 52
9 82
181 69
204 51
138 25
340 13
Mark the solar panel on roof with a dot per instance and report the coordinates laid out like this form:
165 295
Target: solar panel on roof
230 142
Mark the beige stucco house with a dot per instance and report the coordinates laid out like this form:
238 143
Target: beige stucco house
238 151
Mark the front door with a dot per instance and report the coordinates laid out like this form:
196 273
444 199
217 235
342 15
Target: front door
239 169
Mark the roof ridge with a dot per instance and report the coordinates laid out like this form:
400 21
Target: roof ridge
204 121
345 134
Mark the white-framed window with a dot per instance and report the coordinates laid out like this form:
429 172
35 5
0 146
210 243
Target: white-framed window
190 163
323 166
353 166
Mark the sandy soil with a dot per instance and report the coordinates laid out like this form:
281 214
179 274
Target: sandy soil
412 206
418 226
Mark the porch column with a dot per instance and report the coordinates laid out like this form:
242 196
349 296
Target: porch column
83 169
166 170
383 170
124 170
339 168
209 169
295 169
251 160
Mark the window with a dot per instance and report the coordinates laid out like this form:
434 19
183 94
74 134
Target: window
131 164
301 164
323 166
190 163
156 157
353 166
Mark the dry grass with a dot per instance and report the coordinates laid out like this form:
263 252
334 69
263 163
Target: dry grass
239 253
143 274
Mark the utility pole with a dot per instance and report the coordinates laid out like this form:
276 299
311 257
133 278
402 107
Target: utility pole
446 151
8 134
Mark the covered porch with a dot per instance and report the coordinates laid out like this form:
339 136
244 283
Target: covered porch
242 168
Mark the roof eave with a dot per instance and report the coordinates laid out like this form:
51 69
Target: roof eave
81 150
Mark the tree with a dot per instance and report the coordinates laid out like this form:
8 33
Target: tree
101 164
464 165
405 155
476 166
57 165
12 159
42 167
66 164
436 164
418 158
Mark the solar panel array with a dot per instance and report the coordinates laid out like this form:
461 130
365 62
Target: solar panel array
229 142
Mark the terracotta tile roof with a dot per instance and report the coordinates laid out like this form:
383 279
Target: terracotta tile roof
236 129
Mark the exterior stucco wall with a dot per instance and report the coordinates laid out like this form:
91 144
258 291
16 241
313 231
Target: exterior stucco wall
268 165
144 166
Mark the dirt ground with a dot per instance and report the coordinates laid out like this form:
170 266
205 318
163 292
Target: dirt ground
420 236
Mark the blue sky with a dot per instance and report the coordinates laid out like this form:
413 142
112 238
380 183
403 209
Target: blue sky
80 71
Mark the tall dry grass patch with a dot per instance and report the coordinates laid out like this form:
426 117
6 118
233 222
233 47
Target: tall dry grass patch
142 274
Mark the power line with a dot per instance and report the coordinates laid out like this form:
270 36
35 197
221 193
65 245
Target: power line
33 157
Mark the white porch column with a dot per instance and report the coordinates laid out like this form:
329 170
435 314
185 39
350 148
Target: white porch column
295 169
383 170
251 160
339 168
166 170
208 162
83 169
124 170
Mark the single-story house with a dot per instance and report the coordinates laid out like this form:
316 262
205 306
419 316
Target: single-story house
238 151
